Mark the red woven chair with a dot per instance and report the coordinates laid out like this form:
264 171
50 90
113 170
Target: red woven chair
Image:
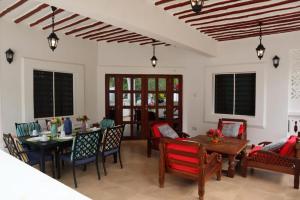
243 127
154 136
188 159
282 161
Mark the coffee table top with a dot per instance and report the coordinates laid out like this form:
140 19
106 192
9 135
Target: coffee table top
230 146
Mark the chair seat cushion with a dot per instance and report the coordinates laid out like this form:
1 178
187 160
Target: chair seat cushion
187 149
167 131
111 152
67 157
288 148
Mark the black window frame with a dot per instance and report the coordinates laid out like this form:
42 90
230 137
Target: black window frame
59 89
241 96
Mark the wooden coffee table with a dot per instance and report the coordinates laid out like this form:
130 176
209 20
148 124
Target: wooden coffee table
230 147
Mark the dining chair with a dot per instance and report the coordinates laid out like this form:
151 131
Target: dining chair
25 129
106 123
30 157
111 144
85 150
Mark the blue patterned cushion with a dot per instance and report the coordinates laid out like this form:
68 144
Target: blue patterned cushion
107 123
25 129
167 131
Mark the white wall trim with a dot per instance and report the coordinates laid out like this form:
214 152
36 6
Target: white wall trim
259 120
27 67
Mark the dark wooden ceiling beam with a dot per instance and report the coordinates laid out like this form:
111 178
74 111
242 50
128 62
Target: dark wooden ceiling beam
61 21
243 31
32 12
12 7
141 40
94 30
108 35
204 7
128 37
241 11
73 24
163 2
132 39
101 33
244 16
83 28
46 17
118 37
254 24
256 34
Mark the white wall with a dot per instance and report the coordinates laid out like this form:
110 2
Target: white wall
242 52
30 43
135 59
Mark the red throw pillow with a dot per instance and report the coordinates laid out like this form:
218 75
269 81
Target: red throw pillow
288 148
187 149
254 150
155 129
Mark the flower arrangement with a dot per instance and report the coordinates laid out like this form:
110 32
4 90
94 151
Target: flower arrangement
215 135
56 120
82 118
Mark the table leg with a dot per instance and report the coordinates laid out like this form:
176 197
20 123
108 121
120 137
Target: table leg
231 166
57 163
42 160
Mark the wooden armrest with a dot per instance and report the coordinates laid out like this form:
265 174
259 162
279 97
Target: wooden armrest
264 143
185 135
154 138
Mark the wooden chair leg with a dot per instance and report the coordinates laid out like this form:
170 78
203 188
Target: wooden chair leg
244 168
201 189
219 173
103 163
115 157
120 160
74 176
97 167
84 168
149 149
162 167
296 181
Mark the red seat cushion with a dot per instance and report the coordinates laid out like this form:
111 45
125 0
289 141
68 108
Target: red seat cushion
288 148
184 148
241 129
254 150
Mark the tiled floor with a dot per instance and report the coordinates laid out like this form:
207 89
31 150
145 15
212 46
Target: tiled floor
138 180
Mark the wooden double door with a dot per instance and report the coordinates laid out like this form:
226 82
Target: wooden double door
137 100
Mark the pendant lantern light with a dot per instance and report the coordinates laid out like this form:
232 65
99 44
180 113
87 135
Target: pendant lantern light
154 59
260 49
197 5
52 38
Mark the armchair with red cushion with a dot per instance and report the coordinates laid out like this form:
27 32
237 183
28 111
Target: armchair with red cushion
188 159
242 132
282 160
154 136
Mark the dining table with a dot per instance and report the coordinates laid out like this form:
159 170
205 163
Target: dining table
53 144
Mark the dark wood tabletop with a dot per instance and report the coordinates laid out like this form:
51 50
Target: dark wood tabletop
229 146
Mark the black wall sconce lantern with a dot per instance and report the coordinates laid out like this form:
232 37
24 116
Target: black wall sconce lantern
276 61
9 55
197 5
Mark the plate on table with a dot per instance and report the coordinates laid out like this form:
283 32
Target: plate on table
66 138
34 139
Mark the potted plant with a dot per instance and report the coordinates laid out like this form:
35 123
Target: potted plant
54 124
215 135
83 119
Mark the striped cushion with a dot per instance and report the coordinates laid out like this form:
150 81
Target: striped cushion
23 156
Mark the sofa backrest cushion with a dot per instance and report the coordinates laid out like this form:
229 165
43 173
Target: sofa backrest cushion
167 131
275 147
155 129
